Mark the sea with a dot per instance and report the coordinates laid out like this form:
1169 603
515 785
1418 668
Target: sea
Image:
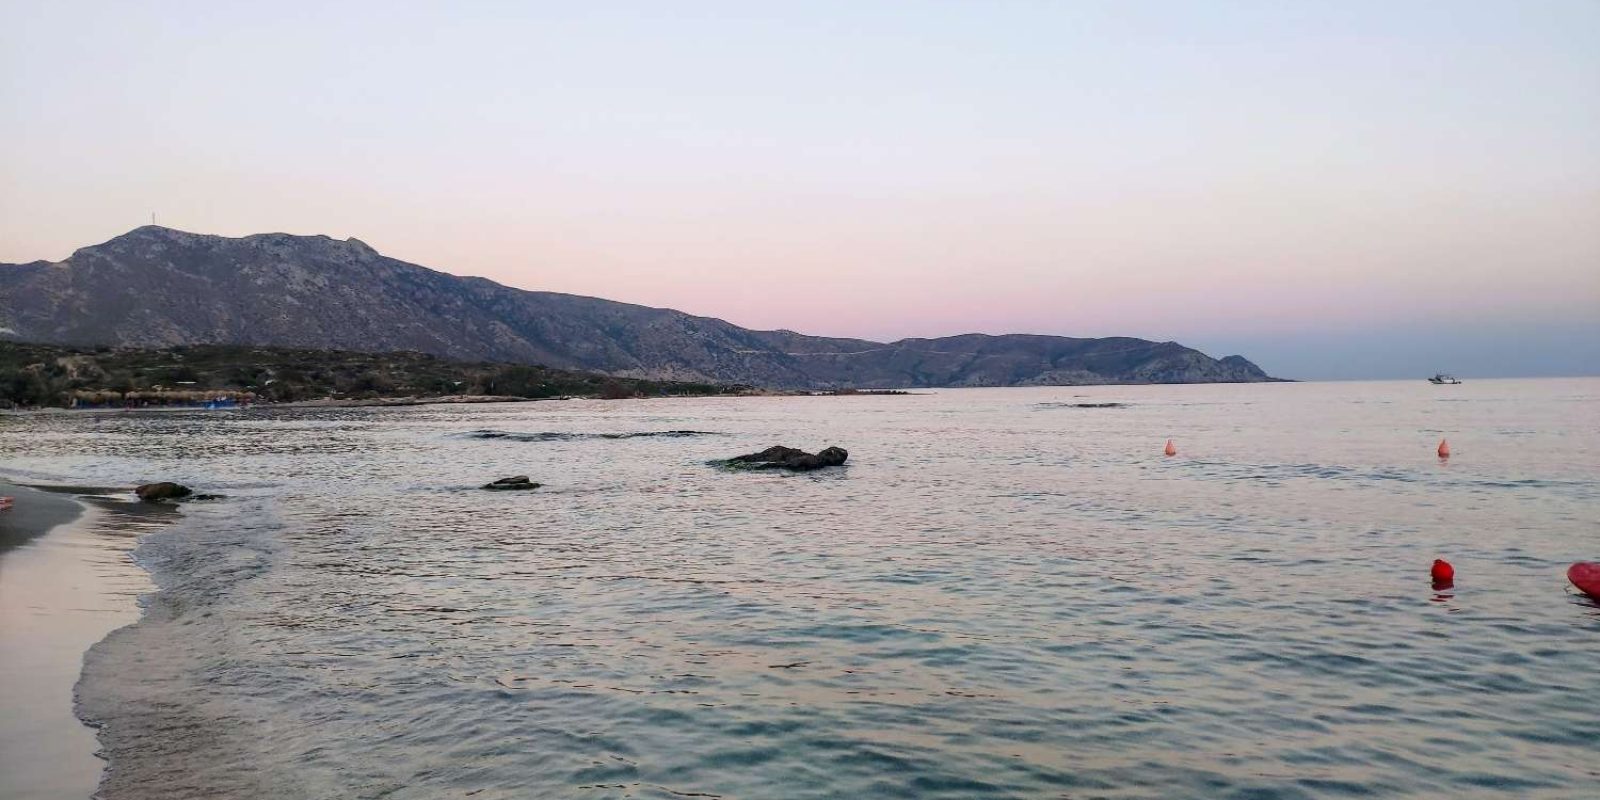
1005 593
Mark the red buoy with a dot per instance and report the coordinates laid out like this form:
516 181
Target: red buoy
1586 576
1443 574
1444 449
1172 449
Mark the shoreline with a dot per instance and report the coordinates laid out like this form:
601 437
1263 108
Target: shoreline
368 402
444 400
67 580
322 403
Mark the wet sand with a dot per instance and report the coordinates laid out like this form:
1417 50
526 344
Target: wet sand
36 512
66 580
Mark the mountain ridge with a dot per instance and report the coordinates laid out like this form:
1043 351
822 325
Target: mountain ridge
156 287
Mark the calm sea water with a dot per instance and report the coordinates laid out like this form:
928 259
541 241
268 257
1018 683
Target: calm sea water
1002 595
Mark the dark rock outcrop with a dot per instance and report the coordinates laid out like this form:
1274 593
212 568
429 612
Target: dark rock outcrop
780 457
511 484
158 287
166 490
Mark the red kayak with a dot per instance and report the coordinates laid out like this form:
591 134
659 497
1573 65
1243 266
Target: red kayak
1586 576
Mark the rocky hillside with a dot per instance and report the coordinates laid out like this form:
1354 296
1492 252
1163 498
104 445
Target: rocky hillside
157 287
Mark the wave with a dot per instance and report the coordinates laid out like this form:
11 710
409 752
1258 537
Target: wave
1080 405
1278 473
174 675
557 436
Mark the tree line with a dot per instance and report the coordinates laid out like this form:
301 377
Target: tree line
33 375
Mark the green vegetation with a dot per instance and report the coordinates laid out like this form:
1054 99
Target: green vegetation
49 375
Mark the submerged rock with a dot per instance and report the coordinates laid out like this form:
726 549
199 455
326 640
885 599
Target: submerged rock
512 483
166 490
780 457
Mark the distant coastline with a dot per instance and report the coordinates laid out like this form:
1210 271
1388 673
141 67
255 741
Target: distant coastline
51 376
158 287
44 376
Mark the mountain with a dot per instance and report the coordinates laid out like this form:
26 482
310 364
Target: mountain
158 287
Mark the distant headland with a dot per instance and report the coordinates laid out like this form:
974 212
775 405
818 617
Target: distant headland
156 287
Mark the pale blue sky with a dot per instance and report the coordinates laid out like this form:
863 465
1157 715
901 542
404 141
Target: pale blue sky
1336 189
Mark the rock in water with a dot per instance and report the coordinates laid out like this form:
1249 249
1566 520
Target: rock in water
512 483
166 490
832 456
774 454
780 457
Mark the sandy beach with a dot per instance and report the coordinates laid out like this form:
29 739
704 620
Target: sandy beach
66 580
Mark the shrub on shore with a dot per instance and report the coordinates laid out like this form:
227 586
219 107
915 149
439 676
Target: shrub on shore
33 375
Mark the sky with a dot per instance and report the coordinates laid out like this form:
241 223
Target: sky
1335 190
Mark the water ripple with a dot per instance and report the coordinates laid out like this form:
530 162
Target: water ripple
995 603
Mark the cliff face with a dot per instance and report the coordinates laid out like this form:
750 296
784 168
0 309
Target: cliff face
157 287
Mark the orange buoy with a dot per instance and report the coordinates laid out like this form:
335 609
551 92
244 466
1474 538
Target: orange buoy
1444 449
1172 449
1442 573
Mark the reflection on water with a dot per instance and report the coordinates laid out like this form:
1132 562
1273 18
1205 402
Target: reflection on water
992 600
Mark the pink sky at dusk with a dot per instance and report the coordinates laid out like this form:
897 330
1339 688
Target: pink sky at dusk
1230 175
